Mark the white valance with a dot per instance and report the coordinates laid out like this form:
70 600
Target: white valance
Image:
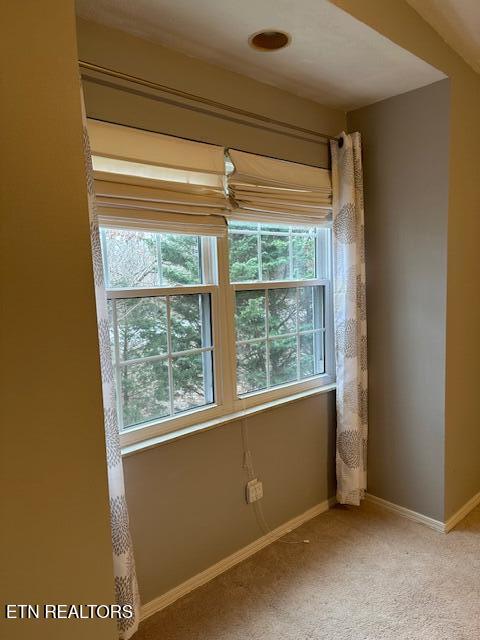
139 170
276 190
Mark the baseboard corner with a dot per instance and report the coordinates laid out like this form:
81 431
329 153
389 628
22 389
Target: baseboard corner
459 515
414 516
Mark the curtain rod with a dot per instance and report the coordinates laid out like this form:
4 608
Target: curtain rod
294 131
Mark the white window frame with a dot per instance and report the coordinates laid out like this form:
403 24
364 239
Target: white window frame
296 386
167 424
216 272
261 396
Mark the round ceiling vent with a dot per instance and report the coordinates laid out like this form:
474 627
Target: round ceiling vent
269 40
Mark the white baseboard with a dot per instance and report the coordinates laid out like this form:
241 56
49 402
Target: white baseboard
462 512
202 578
220 567
436 525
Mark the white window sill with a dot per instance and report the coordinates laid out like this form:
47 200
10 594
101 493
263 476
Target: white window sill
217 422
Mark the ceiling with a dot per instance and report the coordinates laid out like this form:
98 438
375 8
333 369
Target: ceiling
332 59
458 22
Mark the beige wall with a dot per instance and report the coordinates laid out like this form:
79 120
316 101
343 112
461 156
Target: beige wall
55 534
115 49
187 498
405 143
396 20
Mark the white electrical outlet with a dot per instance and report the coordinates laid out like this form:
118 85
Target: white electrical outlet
254 490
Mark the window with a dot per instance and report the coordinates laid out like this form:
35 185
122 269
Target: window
279 274
160 308
170 342
208 319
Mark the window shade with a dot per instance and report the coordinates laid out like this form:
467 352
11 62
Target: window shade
126 143
178 223
272 190
155 174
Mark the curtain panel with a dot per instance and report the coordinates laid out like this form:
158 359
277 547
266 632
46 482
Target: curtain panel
126 588
350 319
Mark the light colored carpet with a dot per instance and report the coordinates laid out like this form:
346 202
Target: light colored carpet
366 575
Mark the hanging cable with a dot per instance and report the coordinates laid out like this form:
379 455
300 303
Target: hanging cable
258 506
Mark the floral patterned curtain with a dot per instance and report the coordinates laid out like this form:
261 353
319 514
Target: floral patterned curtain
350 318
126 588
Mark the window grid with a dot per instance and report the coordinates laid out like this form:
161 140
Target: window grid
304 264
169 349
318 333
158 260
207 350
207 338
259 256
217 302
268 340
261 231
158 241
200 271
267 336
116 362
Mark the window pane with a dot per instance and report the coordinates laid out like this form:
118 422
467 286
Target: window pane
282 311
275 257
243 257
251 367
147 332
305 308
286 252
283 360
111 331
307 355
318 307
131 259
142 327
303 256
250 314
291 312
180 260
145 393
189 381
140 259
319 352
186 322
323 258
